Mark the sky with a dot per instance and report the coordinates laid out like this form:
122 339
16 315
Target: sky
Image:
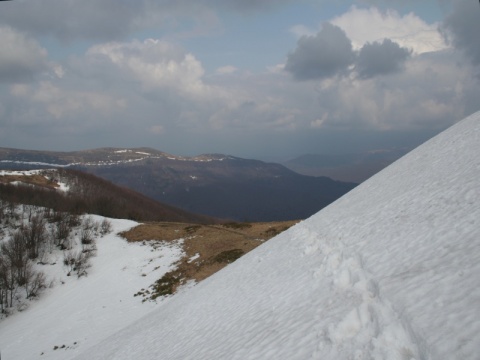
265 79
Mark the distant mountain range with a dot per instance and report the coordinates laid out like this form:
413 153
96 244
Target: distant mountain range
354 167
214 185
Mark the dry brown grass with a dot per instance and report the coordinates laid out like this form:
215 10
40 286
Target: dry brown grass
38 180
215 246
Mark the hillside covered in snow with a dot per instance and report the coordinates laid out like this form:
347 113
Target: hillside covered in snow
389 271
77 310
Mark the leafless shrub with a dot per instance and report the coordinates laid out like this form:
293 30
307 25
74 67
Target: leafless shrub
87 236
88 223
105 227
77 262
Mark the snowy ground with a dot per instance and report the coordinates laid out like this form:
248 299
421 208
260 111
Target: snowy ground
389 271
77 313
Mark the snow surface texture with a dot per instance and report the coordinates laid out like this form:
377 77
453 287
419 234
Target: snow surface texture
78 313
389 271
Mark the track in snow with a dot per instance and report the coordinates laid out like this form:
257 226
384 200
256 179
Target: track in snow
373 327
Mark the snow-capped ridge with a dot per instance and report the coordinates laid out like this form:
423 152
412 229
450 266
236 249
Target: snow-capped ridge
105 157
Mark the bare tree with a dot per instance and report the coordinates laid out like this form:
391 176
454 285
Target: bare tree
35 234
35 281
8 282
14 252
62 232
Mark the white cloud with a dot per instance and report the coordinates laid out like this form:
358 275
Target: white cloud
429 94
156 64
371 25
225 70
61 103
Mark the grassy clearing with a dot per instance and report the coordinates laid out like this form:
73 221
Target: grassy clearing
208 248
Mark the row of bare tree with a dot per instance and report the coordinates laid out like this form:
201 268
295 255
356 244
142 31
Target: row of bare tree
17 255
34 233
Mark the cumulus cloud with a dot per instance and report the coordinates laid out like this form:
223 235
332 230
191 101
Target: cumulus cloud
156 64
138 88
372 25
330 52
21 57
381 58
429 94
462 28
321 56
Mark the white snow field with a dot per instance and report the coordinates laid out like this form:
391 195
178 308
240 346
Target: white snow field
77 313
389 271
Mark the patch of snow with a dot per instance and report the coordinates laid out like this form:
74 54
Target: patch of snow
194 257
20 173
142 153
63 187
36 163
17 183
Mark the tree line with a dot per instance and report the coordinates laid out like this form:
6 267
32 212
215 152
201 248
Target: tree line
90 194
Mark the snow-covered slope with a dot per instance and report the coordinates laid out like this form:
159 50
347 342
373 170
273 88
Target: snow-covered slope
389 271
77 313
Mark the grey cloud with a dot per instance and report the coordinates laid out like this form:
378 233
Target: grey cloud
252 5
381 58
107 20
68 20
21 58
321 56
462 27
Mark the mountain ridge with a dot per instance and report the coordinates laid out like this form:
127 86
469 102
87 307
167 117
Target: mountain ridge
215 185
